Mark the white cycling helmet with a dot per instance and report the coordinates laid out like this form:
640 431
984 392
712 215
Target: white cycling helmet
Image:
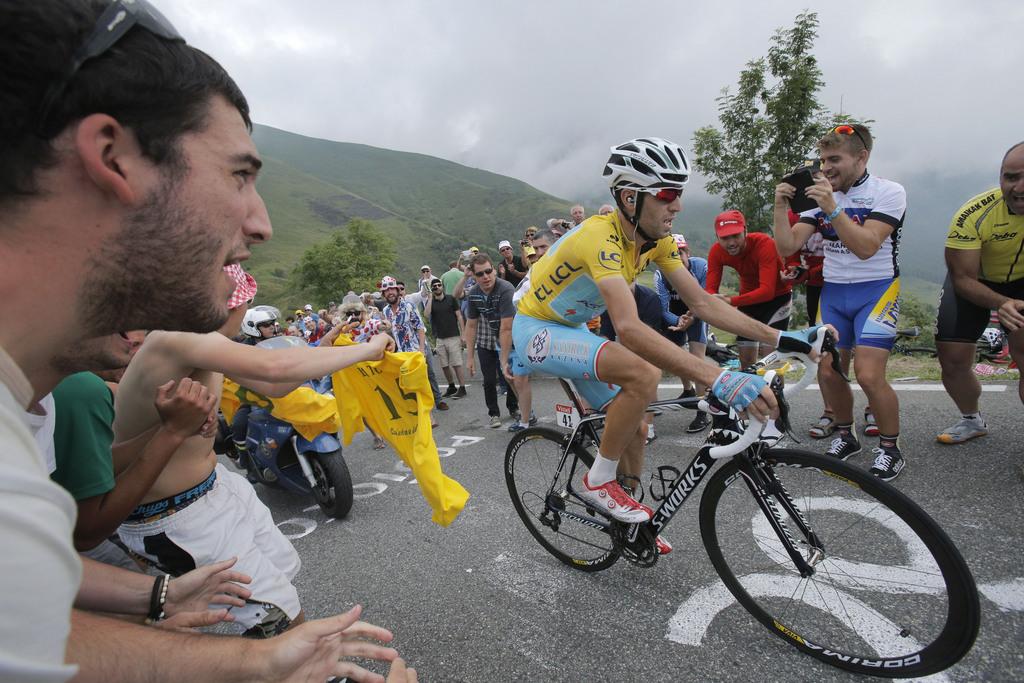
256 316
647 164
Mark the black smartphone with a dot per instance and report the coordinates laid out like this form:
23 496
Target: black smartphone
801 179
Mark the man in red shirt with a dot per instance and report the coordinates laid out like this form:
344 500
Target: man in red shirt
764 294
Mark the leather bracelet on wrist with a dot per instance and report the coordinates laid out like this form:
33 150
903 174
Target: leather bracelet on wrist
157 599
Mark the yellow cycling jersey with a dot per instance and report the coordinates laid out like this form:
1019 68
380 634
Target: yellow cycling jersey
563 284
985 223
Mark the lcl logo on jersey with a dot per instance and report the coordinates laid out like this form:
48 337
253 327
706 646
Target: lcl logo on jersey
610 260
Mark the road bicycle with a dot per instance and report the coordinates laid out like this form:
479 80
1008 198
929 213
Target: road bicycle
904 339
837 563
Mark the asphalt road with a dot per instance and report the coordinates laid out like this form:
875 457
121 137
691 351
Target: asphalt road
482 601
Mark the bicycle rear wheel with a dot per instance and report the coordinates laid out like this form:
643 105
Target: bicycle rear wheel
560 522
890 596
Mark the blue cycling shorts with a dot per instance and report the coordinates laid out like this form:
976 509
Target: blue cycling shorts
563 351
697 332
863 313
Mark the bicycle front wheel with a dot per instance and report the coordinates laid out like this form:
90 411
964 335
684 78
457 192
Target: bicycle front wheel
560 522
890 594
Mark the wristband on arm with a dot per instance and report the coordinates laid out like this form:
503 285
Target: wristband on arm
157 599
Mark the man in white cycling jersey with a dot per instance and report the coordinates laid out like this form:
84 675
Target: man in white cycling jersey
860 217
590 270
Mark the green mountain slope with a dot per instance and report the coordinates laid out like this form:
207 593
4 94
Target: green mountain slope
430 207
434 209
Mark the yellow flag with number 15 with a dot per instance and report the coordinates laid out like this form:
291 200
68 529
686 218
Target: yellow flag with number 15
393 395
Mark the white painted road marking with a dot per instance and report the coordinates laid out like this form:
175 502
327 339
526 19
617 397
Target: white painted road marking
690 623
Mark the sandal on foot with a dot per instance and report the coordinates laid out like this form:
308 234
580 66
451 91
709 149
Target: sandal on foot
825 426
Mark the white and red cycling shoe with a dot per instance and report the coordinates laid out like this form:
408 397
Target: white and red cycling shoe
613 501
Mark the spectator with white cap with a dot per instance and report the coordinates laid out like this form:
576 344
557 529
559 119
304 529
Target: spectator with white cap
510 267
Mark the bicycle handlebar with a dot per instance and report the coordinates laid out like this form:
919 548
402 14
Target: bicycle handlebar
755 426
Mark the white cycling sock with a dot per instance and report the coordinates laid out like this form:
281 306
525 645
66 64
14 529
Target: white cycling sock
602 471
974 417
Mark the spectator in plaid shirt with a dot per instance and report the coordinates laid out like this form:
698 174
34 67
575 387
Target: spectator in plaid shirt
489 329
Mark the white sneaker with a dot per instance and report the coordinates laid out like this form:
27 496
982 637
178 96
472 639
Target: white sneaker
610 499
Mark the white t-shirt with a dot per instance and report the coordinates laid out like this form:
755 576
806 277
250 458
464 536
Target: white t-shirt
41 427
870 198
39 567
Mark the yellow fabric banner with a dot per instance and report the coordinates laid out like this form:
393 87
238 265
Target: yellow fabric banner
393 395
311 413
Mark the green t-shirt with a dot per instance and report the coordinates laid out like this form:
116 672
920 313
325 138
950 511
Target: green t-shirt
83 434
450 279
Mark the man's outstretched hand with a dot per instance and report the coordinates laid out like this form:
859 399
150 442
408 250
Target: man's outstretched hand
313 651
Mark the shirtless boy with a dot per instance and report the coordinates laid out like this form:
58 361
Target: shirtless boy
197 509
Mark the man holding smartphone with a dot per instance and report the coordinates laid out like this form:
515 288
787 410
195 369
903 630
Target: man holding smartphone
860 216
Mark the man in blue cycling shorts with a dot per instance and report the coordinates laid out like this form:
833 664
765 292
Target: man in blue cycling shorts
590 270
860 216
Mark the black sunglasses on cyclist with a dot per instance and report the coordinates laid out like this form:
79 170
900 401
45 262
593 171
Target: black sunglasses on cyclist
119 18
667 195
850 130
483 272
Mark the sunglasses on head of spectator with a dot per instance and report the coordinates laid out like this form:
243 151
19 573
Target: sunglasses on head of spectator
667 195
850 130
481 273
112 25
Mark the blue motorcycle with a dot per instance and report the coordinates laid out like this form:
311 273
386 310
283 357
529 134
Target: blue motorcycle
276 455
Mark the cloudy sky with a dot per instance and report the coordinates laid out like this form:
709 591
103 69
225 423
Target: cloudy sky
539 90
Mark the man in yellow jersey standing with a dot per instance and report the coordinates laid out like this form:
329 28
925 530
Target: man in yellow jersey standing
590 270
985 272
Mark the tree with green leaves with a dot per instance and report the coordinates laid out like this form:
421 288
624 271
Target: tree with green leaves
768 125
352 259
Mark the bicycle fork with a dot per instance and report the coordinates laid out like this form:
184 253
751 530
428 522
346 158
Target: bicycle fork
771 495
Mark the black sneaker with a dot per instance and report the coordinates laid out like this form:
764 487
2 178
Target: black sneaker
888 463
461 393
688 393
700 423
450 391
844 446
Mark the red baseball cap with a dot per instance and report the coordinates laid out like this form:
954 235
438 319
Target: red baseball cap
730 222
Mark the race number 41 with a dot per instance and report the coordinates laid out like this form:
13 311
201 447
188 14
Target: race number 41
566 416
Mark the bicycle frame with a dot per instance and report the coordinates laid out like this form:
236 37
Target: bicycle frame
761 483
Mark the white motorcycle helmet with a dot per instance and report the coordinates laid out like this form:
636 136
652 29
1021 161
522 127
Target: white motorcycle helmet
256 316
992 337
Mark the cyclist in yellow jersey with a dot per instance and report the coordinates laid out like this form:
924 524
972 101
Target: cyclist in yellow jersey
985 272
591 269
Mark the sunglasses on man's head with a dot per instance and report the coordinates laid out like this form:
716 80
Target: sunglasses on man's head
850 130
667 195
119 18
483 272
